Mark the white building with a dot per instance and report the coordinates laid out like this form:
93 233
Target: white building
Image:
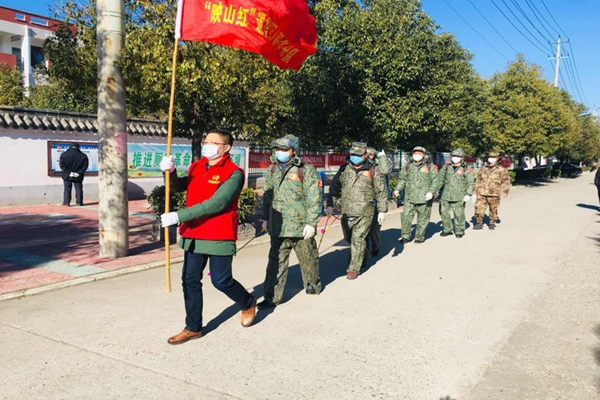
22 37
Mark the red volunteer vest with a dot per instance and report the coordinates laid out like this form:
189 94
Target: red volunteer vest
202 185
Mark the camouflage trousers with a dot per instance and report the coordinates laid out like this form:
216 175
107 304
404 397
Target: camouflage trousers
423 212
482 204
374 239
458 209
279 259
356 230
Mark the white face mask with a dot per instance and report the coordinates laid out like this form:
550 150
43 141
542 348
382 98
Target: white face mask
210 151
417 157
492 160
456 160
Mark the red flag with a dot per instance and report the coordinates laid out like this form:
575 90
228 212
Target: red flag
282 31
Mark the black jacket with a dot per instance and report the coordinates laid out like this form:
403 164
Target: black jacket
73 160
597 178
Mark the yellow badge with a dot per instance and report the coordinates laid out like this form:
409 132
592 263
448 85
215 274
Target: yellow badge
215 180
294 177
424 169
461 172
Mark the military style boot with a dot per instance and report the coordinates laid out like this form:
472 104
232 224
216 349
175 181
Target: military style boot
478 226
492 226
444 234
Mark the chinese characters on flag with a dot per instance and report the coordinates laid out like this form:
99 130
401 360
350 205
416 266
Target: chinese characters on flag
282 31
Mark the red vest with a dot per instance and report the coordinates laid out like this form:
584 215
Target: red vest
202 185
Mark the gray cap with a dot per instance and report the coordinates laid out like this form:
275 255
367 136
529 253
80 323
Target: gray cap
358 148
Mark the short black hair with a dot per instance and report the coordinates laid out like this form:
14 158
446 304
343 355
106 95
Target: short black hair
75 145
225 135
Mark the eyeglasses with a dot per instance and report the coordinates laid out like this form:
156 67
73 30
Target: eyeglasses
219 144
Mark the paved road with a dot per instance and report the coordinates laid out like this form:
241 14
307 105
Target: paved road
508 314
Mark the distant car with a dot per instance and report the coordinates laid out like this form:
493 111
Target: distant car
568 170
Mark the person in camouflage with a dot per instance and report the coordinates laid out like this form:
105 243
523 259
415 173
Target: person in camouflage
291 210
492 182
361 189
457 182
384 166
418 180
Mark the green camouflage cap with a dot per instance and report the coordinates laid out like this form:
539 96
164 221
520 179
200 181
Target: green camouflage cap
458 153
371 151
421 149
287 142
493 154
358 148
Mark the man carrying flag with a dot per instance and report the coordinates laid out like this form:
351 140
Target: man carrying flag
209 229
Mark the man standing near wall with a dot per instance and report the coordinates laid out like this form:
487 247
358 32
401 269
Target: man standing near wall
73 164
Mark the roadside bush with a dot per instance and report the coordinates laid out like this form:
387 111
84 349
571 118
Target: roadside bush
247 205
156 199
512 175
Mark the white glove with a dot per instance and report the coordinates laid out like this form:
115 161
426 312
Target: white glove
474 198
264 225
169 219
380 218
396 193
381 153
74 175
167 164
329 211
466 198
428 196
309 232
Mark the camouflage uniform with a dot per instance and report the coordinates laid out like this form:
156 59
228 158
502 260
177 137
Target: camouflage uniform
362 192
291 201
491 182
417 179
383 165
457 182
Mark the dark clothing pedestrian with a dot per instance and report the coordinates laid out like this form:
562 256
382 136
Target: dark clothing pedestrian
73 164
597 181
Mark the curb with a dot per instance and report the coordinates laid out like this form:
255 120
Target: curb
85 279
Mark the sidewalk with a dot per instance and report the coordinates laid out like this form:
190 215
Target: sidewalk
50 246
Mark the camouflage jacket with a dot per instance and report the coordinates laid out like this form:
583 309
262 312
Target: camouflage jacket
292 199
492 181
383 164
417 179
361 190
457 182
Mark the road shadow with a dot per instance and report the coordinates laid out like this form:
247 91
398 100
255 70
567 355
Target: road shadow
596 353
588 206
228 313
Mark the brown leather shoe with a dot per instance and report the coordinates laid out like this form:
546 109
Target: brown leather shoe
184 336
248 315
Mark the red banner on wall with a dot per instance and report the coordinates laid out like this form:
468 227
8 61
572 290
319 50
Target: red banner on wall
259 160
316 160
336 159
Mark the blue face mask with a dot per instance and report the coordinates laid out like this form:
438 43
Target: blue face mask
356 160
282 156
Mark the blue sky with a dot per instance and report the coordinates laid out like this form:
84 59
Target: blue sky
577 19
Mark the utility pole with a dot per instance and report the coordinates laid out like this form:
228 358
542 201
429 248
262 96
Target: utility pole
112 131
557 62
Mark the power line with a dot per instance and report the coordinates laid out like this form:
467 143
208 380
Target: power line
549 13
522 24
571 77
537 15
577 71
476 31
490 24
530 22
518 30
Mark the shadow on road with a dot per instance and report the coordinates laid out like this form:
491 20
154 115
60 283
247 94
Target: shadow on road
588 206
596 353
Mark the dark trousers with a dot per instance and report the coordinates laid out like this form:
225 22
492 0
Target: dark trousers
78 192
222 279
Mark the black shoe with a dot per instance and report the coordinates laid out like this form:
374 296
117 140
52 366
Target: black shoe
444 234
405 241
265 304
66 205
478 227
419 241
492 227
310 289
459 236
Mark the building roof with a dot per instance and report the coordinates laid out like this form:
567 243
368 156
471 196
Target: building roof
49 120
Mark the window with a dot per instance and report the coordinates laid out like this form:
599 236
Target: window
38 21
16 51
19 17
37 56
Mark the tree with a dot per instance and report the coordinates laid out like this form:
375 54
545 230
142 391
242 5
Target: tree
11 86
526 114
